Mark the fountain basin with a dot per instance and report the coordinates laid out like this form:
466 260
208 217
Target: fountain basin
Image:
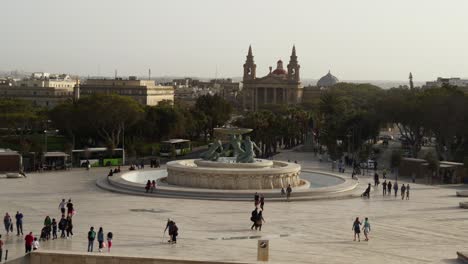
264 174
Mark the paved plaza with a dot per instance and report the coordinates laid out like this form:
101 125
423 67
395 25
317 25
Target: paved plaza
429 228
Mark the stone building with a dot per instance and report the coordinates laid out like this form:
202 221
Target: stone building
42 89
327 81
280 86
146 92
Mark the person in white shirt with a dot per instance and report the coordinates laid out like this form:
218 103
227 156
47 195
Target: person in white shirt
62 206
35 244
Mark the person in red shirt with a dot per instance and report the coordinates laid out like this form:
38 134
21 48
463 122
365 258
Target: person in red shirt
28 242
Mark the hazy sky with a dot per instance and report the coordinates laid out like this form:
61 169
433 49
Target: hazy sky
355 39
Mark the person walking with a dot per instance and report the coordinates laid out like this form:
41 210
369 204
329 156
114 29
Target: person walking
100 239
376 179
62 206
110 236
403 191
62 225
28 241
262 201
253 218
70 209
259 221
153 186
395 188
69 227
384 187
357 229
407 191
1 248
366 228
48 226
384 173
91 237
389 188
173 232
19 223
288 192
8 223
256 199
148 186
54 229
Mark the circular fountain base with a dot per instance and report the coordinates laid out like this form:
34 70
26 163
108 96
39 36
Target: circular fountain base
263 174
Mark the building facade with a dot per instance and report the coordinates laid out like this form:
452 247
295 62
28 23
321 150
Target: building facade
280 86
146 92
42 89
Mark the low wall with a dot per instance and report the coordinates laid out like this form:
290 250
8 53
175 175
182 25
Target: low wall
61 257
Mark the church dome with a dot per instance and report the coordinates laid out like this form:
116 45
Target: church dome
279 68
327 80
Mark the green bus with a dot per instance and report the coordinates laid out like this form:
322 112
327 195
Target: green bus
175 147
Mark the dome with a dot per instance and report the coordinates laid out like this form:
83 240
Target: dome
327 80
279 68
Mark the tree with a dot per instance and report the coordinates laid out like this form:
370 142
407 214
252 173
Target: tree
216 110
108 115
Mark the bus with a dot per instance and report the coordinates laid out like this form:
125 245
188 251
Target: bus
97 157
177 147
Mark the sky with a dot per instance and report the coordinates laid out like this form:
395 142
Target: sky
356 40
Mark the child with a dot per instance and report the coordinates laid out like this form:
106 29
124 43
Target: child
153 186
35 244
54 229
366 228
109 241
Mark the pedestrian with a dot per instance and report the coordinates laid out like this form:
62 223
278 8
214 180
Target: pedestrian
148 186
69 227
366 193
366 228
389 188
256 199
1 248
357 229
8 223
62 206
35 244
173 232
407 191
48 226
110 236
70 208
288 192
395 188
259 221
19 223
413 178
262 201
91 237
62 225
111 173
384 173
54 229
153 186
100 239
376 179
253 218
282 191
403 191
384 187
28 240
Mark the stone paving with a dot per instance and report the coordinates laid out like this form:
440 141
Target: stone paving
429 228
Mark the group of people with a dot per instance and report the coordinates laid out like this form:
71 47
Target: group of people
287 192
100 238
150 186
113 171
8 223
155 163
136 166
257 219
366 228
404 190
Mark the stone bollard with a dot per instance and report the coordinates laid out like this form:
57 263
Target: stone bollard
263 249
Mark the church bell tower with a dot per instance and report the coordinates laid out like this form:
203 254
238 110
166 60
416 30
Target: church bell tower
249 67
293 67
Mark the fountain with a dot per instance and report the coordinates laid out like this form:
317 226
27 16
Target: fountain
233 168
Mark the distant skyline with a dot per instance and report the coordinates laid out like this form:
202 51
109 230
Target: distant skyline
356 40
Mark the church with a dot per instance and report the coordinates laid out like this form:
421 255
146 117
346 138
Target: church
280 86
